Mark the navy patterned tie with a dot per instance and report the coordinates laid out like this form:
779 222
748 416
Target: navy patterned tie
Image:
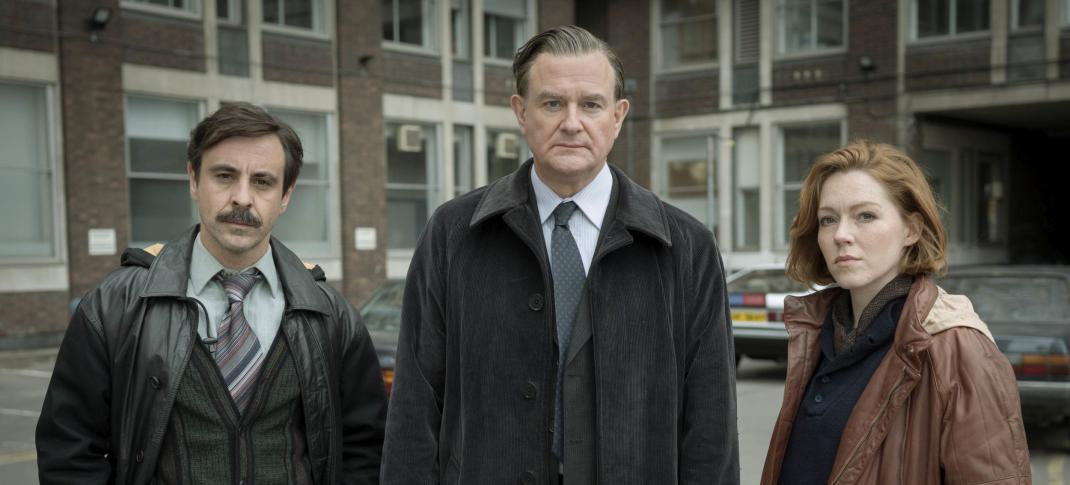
569 278
238 350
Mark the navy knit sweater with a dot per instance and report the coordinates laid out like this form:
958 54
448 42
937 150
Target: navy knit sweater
831 396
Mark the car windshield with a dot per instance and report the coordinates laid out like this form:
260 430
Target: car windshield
382 311
766 281
1014 298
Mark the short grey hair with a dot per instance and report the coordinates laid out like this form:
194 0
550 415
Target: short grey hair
568 40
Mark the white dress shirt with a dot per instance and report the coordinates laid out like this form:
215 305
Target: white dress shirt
592 200
263 306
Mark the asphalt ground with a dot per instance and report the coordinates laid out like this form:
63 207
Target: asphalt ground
24 378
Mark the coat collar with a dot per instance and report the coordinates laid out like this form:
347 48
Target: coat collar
636 208
169 274
911 336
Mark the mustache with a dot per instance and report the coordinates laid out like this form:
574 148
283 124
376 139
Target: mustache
239 215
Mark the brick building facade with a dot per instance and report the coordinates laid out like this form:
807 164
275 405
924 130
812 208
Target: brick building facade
402 108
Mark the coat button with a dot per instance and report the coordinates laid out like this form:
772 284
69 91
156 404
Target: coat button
529 390
140 456
155 382
819 398
527 478
536 302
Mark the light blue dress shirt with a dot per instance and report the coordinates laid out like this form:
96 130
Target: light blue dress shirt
592 200
263 305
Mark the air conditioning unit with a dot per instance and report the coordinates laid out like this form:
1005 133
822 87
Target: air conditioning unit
507 145
410 138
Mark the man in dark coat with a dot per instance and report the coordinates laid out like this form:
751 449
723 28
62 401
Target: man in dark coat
220 358
563 324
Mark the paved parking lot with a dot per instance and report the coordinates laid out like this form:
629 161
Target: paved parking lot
24 377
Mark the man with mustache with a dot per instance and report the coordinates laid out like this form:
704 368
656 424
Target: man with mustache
563 324
220 357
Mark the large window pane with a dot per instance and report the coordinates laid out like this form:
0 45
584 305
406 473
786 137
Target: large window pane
746 185
1029 13
795 25
503 27
933 17
157 131
800 145
409 22
411 181
950 17
687 165
463 159
26 168
688 32
971 16
305 224
159 209
302 14
829 23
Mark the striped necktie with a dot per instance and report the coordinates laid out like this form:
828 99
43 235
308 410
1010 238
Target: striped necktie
238 350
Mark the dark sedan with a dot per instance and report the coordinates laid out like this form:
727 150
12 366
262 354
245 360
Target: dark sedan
1027 308
382 315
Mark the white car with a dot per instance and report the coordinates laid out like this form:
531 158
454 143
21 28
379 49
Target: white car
756 297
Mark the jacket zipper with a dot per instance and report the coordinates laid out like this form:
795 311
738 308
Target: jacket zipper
869 429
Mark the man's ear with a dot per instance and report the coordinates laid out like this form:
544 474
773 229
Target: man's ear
620 111
286 197
192 181
517 103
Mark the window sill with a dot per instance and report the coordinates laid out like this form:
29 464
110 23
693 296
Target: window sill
295 32
688 69
163 11
810 54
949 38
26 274
494 61
390 45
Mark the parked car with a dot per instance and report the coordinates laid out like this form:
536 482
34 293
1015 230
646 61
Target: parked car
756 297
382 316
1027 308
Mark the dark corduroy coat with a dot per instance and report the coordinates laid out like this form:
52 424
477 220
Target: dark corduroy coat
473 395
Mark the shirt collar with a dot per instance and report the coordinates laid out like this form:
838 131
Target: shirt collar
203 267
593 200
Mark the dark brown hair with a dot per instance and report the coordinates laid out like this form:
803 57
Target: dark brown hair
906 186
568 40
245 119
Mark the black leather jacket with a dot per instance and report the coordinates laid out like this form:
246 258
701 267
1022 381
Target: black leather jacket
128 345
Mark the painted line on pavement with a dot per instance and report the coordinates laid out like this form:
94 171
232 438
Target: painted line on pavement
44 374
1056 469
20 412
17 457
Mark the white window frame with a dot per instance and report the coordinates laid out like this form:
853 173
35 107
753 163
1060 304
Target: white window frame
524 32
812 50
331 246
952 21
738 222
321 21
1015 20
656 29
430 25
192 11
464 38
52 120
132 175
780 219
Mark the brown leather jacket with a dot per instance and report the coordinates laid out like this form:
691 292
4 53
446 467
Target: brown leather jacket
942 407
